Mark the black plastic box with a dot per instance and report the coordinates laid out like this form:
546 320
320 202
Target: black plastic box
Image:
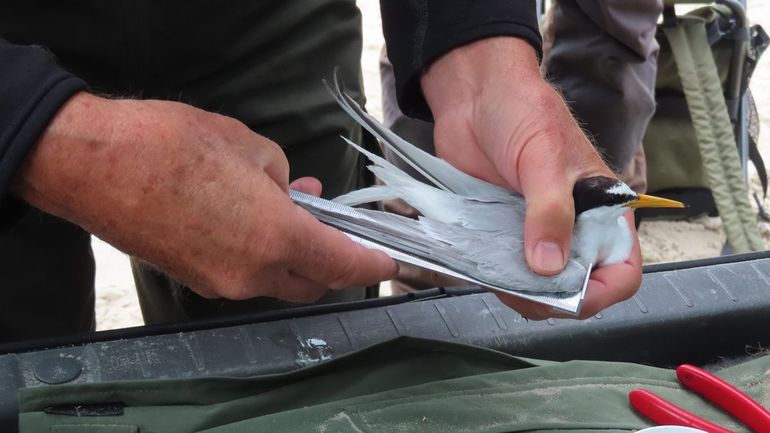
697 312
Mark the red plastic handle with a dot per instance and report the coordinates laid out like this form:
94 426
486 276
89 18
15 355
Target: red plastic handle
664 413
726 396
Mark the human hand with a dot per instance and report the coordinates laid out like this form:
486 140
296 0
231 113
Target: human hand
499 120
194 193
607 285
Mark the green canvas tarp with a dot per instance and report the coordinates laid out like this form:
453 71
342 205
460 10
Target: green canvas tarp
405 385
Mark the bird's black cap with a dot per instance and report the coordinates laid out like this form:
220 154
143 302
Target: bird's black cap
596 191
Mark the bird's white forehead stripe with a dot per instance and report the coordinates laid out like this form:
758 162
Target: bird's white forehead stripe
621 189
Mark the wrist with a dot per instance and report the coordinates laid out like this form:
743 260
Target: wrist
464 73
49 165
75 156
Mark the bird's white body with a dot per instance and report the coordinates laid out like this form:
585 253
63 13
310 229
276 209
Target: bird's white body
473 226
601 236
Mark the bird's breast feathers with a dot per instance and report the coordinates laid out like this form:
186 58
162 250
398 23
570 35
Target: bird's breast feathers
602 237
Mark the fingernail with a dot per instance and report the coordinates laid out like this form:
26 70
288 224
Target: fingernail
548 257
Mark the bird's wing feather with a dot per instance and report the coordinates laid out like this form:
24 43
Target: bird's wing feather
432 202
439 172
405 234
368 195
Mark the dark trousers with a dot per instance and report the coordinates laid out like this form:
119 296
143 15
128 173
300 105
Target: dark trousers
260 61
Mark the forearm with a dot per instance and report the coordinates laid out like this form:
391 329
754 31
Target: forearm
107 165
89 165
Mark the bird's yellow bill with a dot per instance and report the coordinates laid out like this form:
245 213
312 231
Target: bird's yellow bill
645 200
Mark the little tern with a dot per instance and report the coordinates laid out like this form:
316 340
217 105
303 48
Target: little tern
477 228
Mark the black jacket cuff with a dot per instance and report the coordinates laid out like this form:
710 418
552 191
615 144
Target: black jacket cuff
417 32
32 90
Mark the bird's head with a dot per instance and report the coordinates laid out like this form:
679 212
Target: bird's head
600 202
613 197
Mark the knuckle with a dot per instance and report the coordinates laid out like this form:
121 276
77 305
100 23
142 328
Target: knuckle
558 206
558 212
228 122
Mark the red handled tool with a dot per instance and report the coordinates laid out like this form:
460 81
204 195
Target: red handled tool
711 388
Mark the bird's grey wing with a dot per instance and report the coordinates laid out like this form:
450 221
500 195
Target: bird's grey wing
492 258
404 234
496 256
512 270
434 203
439 172
389 191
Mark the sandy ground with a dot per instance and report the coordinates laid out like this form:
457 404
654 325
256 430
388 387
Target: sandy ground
117 305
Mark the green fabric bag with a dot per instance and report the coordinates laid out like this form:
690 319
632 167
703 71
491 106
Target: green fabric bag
670 143
690 141
403 385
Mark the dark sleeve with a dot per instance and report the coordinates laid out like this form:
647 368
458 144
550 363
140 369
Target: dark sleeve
32 89
417 32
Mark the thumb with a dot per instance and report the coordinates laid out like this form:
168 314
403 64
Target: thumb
550 213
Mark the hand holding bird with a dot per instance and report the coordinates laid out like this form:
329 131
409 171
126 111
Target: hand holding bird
472 228
505 124
483 231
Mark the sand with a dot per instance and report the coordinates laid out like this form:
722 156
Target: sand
662 241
